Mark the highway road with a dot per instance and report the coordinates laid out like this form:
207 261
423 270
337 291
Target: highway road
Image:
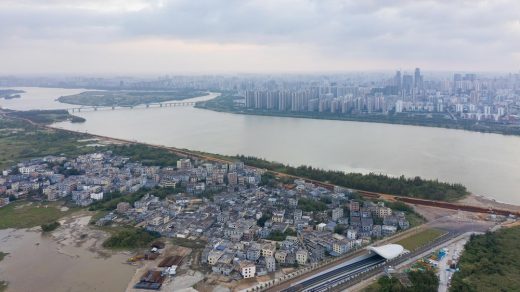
320 281
351 274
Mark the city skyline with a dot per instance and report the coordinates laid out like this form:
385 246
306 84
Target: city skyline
182 37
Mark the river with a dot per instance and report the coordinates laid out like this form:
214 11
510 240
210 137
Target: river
63 261
488 164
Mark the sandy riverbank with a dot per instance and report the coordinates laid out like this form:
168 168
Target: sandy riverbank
480 201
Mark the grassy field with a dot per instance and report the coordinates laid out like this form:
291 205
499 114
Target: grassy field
27 214
419 239
21 141
195 244
47 116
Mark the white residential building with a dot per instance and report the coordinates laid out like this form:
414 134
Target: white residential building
302 256
247 269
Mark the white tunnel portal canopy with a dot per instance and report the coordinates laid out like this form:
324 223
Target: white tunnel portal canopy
388 251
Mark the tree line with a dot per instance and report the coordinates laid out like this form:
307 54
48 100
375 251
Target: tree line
490 262
411 187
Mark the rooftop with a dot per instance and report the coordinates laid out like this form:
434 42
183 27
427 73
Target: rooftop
388 251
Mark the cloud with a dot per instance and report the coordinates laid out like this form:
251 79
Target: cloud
483 35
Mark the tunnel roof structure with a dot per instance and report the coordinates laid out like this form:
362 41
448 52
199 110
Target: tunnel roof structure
389 251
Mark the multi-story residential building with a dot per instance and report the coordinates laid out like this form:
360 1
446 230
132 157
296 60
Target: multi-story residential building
382 211
302 256
297 214
247 269
337 213
253 254
281 256
341 246
214 256
387 230
184 164
270 264
351 234
278 216
268 250
354 206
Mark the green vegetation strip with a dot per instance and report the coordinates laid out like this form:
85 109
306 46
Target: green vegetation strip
147 155
47 116
412 187
26 215
421 281
3 286
184 242
2 255
21 141
50 226
419 239
130 238
128 97
490 262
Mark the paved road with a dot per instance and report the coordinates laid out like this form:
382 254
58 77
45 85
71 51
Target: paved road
370 270
453 253
321 281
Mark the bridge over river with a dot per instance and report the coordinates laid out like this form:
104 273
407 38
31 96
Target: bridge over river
141 106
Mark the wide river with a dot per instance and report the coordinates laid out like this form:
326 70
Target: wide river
488 164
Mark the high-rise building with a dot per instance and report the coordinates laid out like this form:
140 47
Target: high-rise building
397 80
407 84
272 100
457 81
260 99
418 79
457 77
284 100
399 107
250 99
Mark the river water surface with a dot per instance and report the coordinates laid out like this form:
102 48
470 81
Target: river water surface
488 164
58 262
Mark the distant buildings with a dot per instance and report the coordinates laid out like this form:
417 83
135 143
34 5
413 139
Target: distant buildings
469 96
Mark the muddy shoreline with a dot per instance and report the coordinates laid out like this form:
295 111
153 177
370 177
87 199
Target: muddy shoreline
70 258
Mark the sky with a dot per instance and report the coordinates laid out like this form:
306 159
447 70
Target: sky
257 36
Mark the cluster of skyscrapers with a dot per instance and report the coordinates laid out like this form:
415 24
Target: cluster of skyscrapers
331 99
465 96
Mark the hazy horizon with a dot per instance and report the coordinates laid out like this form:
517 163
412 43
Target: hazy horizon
114 37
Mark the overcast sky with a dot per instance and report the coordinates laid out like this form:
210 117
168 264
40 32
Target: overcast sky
213 36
